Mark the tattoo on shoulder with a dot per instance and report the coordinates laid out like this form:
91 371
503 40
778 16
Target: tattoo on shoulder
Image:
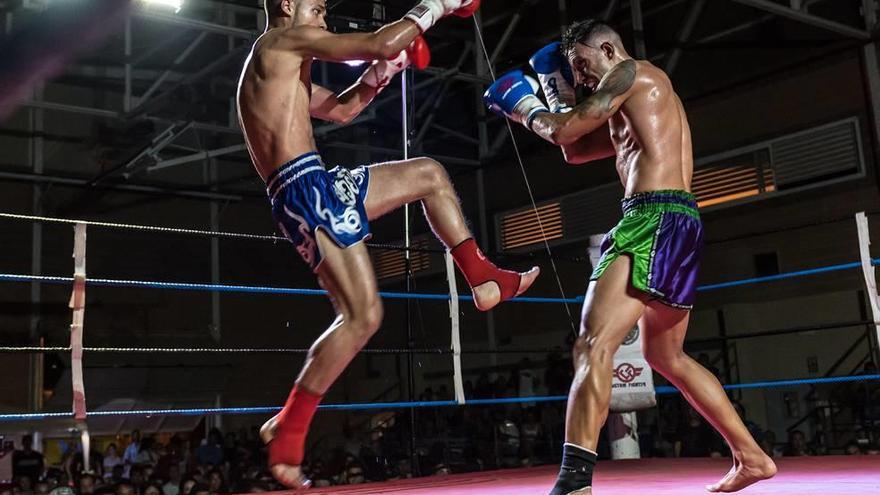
618 81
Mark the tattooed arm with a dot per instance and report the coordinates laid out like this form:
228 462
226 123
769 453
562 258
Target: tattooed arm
563 129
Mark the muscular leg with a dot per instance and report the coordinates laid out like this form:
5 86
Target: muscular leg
347 275
394 184
663 332
611 309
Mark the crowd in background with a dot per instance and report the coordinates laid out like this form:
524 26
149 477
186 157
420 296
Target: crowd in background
377 447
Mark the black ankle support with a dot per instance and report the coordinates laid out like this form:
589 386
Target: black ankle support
576 471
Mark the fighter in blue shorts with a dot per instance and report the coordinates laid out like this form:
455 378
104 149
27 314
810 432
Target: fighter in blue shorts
648 270
326 213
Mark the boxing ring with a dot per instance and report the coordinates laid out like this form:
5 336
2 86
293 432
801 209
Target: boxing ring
679 476
797 476
802 476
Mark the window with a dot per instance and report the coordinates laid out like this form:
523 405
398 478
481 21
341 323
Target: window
391 264
733 178
521 228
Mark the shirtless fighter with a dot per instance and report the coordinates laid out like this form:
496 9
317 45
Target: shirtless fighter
325 213
648 270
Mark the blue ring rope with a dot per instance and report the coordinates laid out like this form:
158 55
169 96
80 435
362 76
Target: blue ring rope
104 282
663 390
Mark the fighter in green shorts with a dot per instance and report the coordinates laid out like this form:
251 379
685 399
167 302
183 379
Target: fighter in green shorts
648 270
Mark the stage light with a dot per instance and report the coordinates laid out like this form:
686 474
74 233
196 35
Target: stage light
174 4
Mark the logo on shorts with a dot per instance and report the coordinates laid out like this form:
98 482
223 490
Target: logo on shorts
346 187
626 372
347 222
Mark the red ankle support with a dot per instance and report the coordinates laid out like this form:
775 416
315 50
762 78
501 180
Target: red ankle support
477 269
292 426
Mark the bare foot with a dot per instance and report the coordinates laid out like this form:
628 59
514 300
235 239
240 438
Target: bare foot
744 473
287 475
488 295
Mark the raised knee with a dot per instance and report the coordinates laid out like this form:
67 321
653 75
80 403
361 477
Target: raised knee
434 174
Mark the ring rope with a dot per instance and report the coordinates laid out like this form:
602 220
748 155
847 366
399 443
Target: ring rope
186 231
204 350
662 390
10 277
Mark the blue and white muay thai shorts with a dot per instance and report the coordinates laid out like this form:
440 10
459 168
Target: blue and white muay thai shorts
306 197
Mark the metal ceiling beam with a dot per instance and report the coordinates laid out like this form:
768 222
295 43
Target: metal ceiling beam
805 18
453 160
210 27
133 188
734 29
508 31
195 157
177 61
687 28
638 22
63 107
207 70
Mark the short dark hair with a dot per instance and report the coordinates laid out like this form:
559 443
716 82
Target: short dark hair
582 32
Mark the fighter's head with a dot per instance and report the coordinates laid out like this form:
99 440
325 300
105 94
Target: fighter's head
296 13
592 48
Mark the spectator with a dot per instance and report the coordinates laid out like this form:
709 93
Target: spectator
695 438
215 482
200 489
138 479
148 453
125 488
111 460
24 485
530 432
27 461
86 485
153 489
172 486
210 452
129 457
768 444
118 474
354 474
797 445
186 486
41 488
852 448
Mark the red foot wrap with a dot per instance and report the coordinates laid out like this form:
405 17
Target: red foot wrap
292 426
478 270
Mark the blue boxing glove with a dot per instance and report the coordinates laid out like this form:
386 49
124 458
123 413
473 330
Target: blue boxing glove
555 77
513 95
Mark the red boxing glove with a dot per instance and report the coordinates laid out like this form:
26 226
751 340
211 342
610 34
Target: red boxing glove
468 10
381 72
